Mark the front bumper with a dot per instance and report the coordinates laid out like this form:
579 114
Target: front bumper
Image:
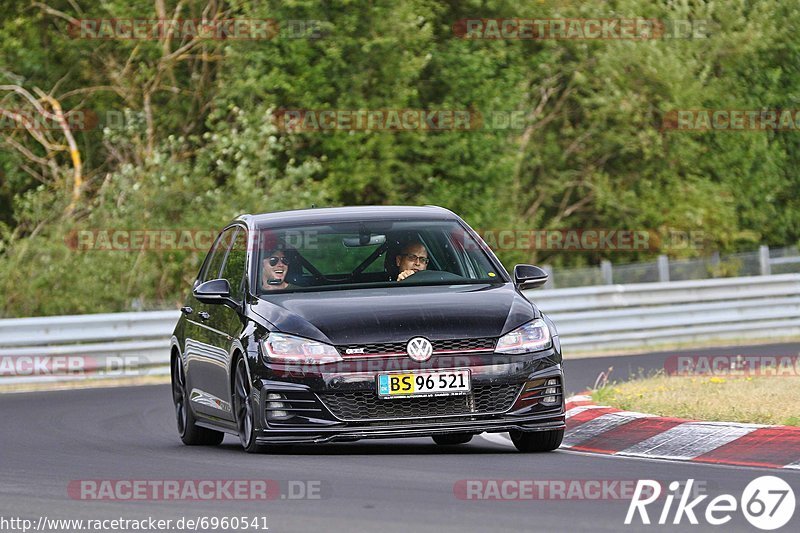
307 413
539 423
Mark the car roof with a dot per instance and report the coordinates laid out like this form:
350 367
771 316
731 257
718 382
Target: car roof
324 215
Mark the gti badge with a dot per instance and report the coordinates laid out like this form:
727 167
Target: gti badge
419 349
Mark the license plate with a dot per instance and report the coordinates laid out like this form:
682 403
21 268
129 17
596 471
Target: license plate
444 383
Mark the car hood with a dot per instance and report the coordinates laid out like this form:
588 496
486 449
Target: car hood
397 314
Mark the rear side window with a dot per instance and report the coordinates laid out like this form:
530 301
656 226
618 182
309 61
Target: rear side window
217 255
234 267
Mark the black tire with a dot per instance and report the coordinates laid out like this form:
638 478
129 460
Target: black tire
245 413
243 408
191 434
451 439
537 441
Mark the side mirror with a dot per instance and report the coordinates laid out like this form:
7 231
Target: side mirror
529 276
215 291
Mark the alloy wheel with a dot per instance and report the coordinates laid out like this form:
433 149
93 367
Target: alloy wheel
244 411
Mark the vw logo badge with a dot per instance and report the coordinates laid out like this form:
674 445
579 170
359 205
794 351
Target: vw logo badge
419 349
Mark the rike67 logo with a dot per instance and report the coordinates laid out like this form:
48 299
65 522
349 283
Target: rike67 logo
767 502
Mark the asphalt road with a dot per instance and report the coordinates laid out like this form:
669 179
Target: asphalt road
51 439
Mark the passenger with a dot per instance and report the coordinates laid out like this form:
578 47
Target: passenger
412 258
274 269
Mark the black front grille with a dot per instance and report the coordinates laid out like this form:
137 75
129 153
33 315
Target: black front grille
366 405
454 345
373 349
463 344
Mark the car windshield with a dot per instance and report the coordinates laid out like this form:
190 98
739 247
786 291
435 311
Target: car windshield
371 254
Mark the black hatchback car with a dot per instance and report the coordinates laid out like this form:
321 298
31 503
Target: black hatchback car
341 324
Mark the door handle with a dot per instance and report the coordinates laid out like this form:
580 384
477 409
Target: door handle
204 315
187 310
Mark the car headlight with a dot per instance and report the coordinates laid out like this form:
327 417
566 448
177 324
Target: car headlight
282 347
531 337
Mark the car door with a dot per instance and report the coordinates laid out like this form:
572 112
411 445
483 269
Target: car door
201 350
226 320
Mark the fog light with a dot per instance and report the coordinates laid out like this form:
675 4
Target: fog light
549 399
274 415
551 382
551 390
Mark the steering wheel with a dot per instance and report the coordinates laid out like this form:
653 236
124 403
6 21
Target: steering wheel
434 275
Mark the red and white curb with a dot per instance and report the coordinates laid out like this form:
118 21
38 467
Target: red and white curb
606 430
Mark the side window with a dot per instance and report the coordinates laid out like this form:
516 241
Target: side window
234 267
218 255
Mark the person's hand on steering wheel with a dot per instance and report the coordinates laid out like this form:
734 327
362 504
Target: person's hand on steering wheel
404 274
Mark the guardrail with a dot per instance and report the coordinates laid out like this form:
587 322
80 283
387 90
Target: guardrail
644 315
78 347
637 316
763 262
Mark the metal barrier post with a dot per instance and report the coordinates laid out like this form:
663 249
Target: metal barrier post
606 273
551 282
663 268
763 260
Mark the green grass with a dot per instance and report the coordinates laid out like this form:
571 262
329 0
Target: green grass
759 400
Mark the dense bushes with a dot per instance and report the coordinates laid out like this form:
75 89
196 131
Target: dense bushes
196 144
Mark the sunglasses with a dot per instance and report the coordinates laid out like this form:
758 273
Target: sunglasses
414 258
274 260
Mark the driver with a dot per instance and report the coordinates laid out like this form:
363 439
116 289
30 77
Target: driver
412 258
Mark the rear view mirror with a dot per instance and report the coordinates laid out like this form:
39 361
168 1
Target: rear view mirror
529 276
363 240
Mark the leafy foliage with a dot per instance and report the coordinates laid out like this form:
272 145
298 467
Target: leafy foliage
185 135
